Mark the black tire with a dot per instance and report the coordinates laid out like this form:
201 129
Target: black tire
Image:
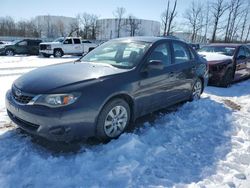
103 116
58 53
227 78
9 52
91 48
197 90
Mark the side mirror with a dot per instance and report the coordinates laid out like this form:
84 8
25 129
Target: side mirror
155 64
241 57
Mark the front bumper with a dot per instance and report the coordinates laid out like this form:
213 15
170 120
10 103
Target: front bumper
56 124
215 76
2 51
47 52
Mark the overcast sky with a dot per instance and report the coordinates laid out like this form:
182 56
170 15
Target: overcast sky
144 9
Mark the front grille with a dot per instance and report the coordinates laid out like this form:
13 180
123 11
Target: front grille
21 98
43 47
22 123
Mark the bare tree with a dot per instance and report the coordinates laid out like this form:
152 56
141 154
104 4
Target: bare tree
88 25
206 24
61 28
119 14
244 24
237 13
248 31
133 25
218 8
195 18
168 17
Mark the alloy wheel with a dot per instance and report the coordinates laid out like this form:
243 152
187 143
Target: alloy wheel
115 121
197 90
9 53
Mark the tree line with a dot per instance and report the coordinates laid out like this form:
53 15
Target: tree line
217 20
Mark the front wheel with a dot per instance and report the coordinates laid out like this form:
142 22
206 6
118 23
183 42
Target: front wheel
197 89
113 119
58 53
227 78
9 52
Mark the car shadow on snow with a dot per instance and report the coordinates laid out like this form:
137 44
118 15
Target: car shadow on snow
238 89
179 145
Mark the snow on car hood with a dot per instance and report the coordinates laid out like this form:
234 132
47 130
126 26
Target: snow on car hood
212 56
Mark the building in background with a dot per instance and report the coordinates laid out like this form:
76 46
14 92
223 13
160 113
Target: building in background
187 37
108 28
55 26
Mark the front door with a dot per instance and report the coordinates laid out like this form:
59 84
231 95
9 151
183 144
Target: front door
155 86
21 47
242 63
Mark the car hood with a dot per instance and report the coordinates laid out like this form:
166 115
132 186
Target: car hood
214 58
44 80
2 45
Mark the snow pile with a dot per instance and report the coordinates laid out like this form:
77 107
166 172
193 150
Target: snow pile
205 143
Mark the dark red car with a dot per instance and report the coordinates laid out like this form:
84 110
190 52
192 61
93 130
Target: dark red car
227 62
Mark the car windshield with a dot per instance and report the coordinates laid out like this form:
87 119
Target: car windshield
226 50
121 54
61 39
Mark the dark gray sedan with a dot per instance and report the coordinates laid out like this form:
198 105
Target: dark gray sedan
111 86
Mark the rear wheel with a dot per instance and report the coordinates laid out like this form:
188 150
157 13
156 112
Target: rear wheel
58 53
227 78
9 52
197 89
113 119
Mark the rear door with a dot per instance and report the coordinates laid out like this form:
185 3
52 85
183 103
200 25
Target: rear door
78 48
33 47
184 67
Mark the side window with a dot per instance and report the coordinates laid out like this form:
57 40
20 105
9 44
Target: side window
241 52
86 41
68 41
247 50
33 43
22 43
77 41
161 53
181 53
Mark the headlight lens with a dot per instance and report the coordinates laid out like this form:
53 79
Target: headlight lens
57 100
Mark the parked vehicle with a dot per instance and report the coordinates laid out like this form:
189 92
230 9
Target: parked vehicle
66 46
227 63
25 46
101 93
248 45
2 44
195 46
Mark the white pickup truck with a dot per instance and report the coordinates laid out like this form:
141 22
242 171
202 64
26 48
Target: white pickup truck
66 46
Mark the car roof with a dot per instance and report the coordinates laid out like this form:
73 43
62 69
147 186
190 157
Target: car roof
147 39
225 44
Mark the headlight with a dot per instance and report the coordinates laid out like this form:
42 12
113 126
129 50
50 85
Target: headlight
56 100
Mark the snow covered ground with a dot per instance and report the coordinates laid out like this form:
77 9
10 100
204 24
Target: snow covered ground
205 143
